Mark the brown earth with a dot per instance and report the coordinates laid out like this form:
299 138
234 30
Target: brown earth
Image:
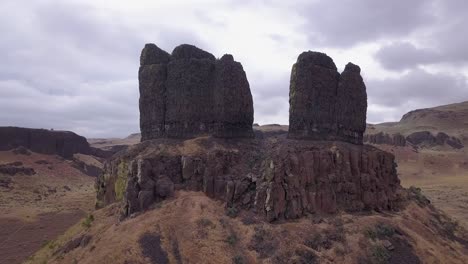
37 208
192 228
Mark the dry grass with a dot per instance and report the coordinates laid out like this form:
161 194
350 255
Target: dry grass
177 223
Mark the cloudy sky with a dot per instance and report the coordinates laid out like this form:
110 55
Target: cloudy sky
73 64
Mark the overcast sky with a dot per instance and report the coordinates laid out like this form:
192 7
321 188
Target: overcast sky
73 65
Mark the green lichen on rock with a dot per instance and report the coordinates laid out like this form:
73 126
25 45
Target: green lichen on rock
121 182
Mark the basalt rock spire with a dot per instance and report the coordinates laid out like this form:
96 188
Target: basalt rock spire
191 93
326 105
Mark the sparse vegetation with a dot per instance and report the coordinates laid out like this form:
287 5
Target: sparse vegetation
88 221
204 222
232 212
418 196
121 180
232 239
379 254
380 231
238 260
325 239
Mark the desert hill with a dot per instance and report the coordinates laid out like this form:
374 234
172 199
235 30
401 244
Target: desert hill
46 185
451 119
192 228
439 167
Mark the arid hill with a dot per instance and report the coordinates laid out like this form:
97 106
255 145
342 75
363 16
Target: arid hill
445 125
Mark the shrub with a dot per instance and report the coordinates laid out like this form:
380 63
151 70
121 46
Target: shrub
204 222
231 239
88 221
238 260
416 194
232 212
379 254
380 231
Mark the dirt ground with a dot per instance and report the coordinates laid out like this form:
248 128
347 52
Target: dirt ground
441 174
192 228
37 208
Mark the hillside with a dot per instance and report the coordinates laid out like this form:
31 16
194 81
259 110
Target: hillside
451 119
440 169
41 196
192 228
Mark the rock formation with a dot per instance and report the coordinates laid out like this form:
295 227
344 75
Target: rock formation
384 138
51 142
273 176
63 143
425 138
15 168
191 93
325 105
285 180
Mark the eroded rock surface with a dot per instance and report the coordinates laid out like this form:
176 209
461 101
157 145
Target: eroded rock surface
275 178
191 93
326 105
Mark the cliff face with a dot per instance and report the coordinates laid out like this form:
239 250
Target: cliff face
325 105
384 138
63 143
276 178
191 93
417 139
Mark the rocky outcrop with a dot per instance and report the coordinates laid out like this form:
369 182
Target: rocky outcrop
384 138
276 178
426 138
15 168
326 105
51 142
63 143
191 93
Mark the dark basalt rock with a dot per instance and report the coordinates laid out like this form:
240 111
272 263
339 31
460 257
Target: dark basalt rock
62 143
351 105
15 168
384 138
284 180
427 139
325 105
193 94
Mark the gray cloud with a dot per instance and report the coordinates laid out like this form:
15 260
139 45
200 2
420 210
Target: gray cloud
444 43
404 55
349 22
418 88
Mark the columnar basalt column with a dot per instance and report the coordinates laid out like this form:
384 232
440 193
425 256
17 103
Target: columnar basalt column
325 105
191 93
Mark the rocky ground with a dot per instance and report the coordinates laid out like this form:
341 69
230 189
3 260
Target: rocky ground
192 228
37 207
